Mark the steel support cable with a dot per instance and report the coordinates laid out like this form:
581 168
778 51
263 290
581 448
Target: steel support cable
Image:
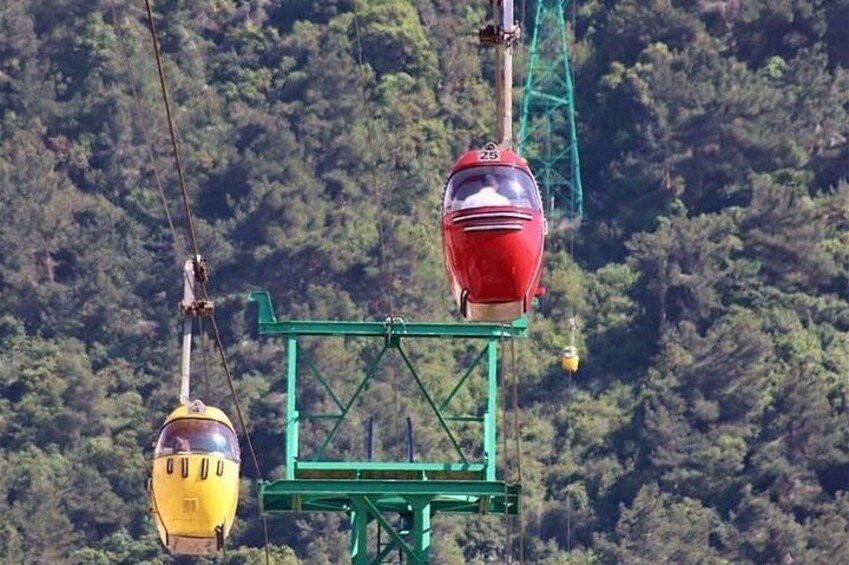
144 130
572 329
173 134
199 269
569 454
522 51
518 438
385 267
385 274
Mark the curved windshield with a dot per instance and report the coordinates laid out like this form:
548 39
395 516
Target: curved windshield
490 186
196 435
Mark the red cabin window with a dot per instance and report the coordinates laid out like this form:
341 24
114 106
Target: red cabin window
476 187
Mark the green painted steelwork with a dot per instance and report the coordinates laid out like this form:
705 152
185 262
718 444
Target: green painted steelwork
369 491
391 328
548 135
466 497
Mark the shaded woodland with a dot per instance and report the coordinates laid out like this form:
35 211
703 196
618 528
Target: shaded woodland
709 422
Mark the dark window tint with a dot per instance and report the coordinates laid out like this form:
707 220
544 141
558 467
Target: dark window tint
491 186
196 435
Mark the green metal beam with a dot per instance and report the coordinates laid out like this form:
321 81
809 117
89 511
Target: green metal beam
359 533
398 488
489 435
421 469
292 424
391 327
494 504
421 528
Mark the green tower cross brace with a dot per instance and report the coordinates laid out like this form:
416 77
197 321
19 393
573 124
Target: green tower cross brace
368 491
547 133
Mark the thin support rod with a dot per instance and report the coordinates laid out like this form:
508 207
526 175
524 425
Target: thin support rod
384 553
370 439
433 406
369 374
320 379
462 380
409 439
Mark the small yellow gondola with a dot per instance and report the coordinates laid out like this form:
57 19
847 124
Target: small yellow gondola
195 485
569 359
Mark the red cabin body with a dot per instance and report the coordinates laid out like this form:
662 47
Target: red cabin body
492 234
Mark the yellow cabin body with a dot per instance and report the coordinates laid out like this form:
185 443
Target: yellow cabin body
194 489
570 359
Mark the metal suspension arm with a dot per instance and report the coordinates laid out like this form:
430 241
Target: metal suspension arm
504 35
194 273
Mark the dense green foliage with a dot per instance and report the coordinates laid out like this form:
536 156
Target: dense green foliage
709 422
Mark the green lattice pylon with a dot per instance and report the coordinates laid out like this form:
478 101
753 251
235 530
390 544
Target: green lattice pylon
394 499
548 135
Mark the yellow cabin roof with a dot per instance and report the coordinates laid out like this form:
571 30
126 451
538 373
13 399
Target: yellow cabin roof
198 410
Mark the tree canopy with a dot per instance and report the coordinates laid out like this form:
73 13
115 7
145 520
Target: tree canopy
709 422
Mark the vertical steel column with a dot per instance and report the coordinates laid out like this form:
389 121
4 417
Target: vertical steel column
421 529
359 533
291 407
489 424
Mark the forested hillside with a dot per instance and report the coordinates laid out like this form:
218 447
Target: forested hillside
709 421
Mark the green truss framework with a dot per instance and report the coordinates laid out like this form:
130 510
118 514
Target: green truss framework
371 491
548 105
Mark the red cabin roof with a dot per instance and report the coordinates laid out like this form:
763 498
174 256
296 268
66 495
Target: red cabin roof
491 154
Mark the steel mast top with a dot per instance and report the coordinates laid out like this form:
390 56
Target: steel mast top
547 132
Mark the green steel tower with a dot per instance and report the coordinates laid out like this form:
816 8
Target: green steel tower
547 135
389 503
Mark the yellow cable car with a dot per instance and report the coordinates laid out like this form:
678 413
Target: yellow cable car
569 359
195 485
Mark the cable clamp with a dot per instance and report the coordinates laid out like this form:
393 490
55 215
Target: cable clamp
198 308
201 269
496 35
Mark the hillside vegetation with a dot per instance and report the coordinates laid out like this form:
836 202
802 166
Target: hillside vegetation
709 422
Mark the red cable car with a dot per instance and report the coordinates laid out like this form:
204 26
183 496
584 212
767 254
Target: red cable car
492 234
